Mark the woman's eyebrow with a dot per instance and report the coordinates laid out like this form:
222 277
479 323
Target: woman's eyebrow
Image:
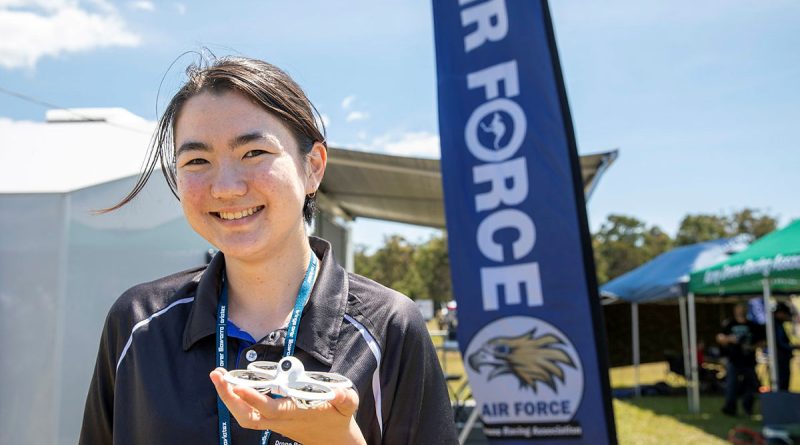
191 146
238 141
248 138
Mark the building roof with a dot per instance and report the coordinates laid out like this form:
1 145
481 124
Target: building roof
73 149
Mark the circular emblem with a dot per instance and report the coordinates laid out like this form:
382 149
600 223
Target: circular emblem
494 131
251 355
524 370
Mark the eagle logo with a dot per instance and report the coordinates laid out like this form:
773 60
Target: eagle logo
529 358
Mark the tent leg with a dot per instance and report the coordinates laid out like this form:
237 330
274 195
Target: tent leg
693 355
773 371
635 346
685 349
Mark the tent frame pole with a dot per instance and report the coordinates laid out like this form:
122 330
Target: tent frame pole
773 370
685 348
635 347
695 406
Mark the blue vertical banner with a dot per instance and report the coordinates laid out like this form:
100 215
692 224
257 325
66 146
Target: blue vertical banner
530 326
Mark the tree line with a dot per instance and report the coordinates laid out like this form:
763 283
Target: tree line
623 243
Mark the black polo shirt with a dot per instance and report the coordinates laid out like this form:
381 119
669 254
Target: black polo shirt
151 384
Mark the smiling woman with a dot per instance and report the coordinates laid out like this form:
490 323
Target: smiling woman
240 147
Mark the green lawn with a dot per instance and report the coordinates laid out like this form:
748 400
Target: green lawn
666 420
662 419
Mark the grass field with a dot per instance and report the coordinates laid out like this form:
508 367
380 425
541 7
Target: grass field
665 420
646 420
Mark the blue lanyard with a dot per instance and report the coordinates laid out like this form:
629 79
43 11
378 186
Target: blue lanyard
288 348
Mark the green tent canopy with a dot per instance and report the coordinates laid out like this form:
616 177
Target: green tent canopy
776 256
770 265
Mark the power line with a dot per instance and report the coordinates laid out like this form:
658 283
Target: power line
50 105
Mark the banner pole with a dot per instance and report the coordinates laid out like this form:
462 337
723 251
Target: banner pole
473 417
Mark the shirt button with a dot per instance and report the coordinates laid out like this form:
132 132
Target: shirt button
251 355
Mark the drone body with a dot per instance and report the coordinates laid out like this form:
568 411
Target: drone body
288 378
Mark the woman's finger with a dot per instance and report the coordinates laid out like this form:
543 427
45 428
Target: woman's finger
240 409
268 407
346 401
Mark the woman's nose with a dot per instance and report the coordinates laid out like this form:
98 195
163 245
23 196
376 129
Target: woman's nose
229 182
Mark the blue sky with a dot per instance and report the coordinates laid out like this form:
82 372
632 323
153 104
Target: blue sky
701 98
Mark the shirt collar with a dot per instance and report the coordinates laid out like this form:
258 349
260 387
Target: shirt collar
322 316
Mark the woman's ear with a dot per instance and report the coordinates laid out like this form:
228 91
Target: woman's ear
317 161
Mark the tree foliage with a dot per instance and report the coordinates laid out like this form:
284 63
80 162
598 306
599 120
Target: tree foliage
432 270
419 271
623 243
706 227
702 227
389 265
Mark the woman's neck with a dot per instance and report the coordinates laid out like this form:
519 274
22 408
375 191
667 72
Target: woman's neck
262 293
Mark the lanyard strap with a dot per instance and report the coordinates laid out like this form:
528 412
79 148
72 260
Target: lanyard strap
224 415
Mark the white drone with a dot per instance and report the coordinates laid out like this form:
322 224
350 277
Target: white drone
288 378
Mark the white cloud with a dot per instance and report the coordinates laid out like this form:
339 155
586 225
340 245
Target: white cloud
48 5
52 27
354 116
143 5
326 121
418 144
181 8
347 102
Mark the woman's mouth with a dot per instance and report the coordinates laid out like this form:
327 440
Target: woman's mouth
233 216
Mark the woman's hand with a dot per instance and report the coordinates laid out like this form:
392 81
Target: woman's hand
331 422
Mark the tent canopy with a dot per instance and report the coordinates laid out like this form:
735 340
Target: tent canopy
664 276
405 189
775 256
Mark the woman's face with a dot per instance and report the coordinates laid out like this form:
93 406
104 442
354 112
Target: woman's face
240 175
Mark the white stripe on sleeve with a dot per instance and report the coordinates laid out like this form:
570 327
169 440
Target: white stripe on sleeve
376 381
145 322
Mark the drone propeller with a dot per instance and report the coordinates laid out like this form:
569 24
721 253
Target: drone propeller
259 380
264 366
330 379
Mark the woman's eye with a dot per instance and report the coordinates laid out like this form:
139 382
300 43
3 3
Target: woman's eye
198 161
254 153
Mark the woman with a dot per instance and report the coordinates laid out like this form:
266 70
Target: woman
240 146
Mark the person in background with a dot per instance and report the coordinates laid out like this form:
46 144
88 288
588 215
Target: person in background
783 344
739 338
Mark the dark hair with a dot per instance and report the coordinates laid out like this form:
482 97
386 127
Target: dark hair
263 83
